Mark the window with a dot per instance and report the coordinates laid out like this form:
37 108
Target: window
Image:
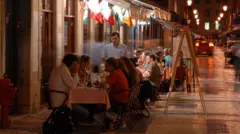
217 26
207 1
69 26
207 26
207 13
197 1
218 1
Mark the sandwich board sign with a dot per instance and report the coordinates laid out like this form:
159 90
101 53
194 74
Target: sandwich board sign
185 34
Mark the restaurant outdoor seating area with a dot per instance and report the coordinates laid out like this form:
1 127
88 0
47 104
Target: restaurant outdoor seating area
117 94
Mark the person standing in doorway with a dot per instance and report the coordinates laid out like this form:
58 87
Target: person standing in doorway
114 49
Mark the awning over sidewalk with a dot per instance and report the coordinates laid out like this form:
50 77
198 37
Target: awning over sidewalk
165 23
153 10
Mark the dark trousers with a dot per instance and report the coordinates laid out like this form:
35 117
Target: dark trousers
145 92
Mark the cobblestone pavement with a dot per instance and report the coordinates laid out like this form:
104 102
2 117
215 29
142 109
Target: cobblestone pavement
185 115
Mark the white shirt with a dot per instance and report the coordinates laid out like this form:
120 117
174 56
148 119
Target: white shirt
61 80
111 51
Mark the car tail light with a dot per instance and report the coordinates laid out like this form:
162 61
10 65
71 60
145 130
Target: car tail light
197 44
211 44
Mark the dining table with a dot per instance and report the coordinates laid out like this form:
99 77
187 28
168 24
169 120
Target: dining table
89 95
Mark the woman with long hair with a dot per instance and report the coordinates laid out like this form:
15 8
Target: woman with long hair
123 67
132 71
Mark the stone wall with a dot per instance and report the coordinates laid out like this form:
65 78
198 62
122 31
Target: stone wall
28 97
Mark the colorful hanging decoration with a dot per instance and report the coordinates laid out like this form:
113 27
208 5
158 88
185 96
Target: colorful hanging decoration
117 11
95 9
106 12
126 17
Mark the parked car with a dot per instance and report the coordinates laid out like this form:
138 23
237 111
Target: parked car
204 46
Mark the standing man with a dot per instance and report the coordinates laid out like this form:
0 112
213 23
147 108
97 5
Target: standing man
114 49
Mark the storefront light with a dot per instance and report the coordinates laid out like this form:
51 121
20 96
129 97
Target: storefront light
142 23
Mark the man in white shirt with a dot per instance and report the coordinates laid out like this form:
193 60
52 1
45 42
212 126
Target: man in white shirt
114 49
64 78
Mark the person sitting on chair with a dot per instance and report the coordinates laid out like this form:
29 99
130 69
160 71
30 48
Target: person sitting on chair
64 78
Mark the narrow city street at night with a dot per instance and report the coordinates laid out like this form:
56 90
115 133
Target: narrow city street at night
119 66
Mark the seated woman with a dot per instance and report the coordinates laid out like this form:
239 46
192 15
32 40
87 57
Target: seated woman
64 78
118 91
117 81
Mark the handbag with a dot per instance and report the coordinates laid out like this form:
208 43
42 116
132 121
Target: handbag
59 122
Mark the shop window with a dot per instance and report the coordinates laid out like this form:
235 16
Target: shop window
69 25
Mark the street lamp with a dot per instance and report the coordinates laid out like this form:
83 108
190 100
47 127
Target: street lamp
225 8
198 23
195 11
189 2
196 16
219 18
216 21
221 15
198 20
